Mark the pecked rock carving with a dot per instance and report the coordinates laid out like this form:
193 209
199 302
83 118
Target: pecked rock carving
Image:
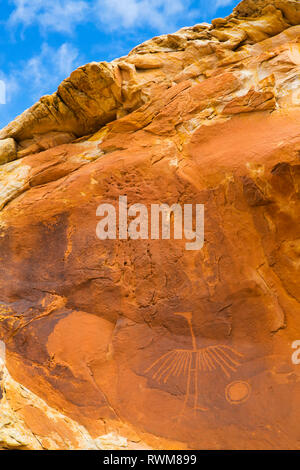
207 115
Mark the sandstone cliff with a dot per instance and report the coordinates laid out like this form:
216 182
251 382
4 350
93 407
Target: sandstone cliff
101 330
27 422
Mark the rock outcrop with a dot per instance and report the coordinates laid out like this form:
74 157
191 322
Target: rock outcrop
28 423
168 347
8 150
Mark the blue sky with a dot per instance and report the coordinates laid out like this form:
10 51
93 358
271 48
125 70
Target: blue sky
42 41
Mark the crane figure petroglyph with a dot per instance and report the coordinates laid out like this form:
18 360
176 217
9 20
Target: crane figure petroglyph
190 363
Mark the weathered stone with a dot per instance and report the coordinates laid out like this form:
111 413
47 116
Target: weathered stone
8 150
113 332
98 93
27 422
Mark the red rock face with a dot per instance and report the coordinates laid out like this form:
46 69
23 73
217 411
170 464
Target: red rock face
183 349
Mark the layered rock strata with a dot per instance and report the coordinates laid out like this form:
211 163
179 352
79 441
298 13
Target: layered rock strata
168 347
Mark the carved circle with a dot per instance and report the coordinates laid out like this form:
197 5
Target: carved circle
237 392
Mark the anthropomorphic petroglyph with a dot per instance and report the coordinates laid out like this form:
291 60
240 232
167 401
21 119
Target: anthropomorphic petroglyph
192 363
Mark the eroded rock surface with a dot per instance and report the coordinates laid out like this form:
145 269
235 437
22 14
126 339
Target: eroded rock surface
175 348
8 150
27 422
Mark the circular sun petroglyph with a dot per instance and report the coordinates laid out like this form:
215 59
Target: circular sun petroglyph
237 392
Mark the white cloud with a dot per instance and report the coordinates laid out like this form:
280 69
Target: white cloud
66 58
159 14
163 15
54 15
42 73
64 15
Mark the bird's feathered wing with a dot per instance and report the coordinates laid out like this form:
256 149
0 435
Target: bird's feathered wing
180 362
